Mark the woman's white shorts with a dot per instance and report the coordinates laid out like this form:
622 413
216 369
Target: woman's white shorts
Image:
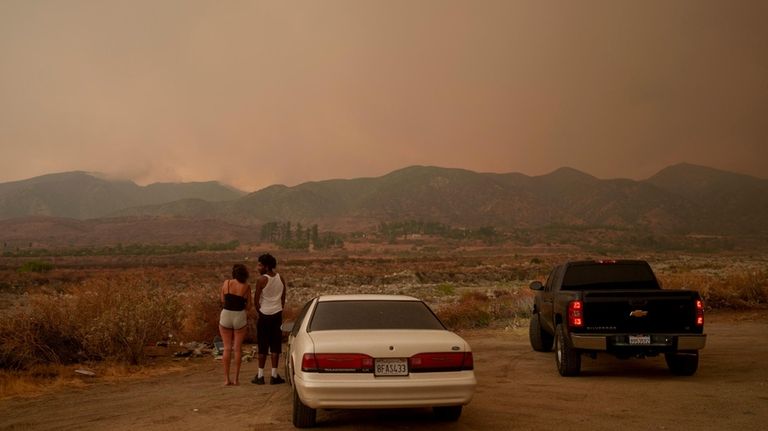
233 319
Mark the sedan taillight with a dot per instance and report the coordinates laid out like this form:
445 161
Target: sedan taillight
337 363
361 363
441 361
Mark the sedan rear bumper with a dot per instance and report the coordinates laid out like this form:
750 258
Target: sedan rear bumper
325 390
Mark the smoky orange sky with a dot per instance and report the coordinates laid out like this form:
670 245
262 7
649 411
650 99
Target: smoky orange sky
254 93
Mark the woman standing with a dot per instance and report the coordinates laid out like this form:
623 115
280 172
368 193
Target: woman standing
232 321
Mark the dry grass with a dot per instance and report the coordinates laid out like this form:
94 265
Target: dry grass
107 314
479 309
734 290
103 318
45 378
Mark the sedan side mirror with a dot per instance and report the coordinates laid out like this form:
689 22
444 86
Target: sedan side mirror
536 285
287 326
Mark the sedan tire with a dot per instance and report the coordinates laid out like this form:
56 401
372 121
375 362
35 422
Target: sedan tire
303 416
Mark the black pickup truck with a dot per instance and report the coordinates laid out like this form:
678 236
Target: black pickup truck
618 307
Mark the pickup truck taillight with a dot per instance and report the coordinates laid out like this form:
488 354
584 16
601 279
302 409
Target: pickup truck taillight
699 312
575 314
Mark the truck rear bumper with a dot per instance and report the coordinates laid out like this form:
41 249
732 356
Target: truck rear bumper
657 341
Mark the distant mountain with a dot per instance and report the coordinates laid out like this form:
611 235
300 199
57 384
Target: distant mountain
679 199
80 195
683 198
727 202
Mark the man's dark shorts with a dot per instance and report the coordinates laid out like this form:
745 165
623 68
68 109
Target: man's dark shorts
269 337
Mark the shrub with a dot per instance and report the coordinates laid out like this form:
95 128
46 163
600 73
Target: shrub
737 290
102 319
476 309
36 266
202 306
42 333
121 318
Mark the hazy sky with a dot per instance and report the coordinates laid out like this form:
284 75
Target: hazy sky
253 93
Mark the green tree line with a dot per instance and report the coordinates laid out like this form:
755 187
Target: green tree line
299 237
125 250
392 231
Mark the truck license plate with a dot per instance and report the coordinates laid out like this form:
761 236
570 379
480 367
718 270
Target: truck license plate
639 339
391 367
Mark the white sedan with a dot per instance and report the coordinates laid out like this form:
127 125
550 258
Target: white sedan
375 351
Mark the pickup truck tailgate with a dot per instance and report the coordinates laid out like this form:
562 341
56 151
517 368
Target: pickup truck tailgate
640 311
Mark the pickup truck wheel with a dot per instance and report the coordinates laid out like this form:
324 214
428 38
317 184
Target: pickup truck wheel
447 413
303 416
567 359
541 341
683 363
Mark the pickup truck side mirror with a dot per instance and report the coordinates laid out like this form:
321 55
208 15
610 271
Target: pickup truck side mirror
536 285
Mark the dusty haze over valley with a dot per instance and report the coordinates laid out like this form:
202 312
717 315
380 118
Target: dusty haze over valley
255 93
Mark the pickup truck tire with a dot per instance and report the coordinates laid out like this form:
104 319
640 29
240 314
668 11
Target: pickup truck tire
683 363
541 341
567 359
447 413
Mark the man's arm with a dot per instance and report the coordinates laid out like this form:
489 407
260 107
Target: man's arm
261 282
285 287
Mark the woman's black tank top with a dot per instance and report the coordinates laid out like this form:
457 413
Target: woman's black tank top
233 302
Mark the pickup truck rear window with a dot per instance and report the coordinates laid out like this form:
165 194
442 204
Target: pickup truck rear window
609 276
332 315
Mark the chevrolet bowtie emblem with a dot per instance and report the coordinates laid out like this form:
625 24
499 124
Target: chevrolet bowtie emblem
638 313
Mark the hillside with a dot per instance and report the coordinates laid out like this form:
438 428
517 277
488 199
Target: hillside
681 199
727 202
80 195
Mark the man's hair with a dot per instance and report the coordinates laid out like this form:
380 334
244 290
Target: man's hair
240 272
268 260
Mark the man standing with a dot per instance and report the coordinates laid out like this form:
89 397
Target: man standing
269 298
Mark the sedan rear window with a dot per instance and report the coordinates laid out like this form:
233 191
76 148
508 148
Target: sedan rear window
334 315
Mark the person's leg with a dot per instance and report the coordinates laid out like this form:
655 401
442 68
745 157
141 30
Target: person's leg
275 359
276 341
261 340
226 339
239 337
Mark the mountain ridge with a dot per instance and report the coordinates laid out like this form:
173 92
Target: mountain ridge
680 198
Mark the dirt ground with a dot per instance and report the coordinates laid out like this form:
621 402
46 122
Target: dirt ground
517 389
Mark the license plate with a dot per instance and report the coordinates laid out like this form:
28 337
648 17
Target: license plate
391 367
639 339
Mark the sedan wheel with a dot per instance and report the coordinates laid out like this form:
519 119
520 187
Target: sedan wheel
303 416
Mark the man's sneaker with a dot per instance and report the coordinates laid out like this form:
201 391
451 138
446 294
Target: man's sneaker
258 380
276 380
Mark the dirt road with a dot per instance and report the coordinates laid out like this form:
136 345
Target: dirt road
518 389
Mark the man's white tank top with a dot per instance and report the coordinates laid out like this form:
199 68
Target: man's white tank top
270 301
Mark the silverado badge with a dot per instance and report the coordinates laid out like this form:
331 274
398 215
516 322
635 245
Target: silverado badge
638 313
